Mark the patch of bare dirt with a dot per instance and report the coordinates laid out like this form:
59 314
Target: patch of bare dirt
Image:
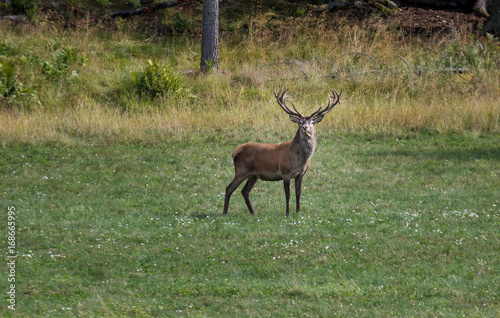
432 21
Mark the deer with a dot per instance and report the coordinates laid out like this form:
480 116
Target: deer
275 162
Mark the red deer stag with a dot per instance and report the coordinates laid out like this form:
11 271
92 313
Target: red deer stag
273 162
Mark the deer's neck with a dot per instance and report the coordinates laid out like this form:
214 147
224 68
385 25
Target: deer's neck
304 144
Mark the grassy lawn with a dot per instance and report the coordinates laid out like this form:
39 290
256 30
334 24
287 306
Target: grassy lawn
390 226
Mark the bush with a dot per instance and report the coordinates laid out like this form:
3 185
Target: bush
62 59
9 84
12 91
7 49
157 80
182 25
21 7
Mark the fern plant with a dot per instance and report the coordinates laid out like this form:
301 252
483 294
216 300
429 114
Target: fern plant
157 80
58 67
9 84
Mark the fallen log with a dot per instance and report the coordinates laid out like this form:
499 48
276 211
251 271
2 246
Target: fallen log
142 10
17 18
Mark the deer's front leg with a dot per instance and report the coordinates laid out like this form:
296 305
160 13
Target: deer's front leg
286 183
298 186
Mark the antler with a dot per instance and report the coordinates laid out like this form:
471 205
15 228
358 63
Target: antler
281 98
329 107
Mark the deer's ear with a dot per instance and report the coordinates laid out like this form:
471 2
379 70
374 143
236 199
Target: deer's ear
317 119
294 119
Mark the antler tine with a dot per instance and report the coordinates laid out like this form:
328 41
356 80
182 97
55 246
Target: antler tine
300 115
281 98
316 112
330 105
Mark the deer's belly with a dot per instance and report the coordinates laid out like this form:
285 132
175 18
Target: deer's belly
270 176
277 175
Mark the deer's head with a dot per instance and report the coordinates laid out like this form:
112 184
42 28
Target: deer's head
307 123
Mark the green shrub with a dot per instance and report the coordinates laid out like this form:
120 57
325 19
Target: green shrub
12 91
157 80
181 25
22 7
135 3
58 67
7 49
300 11
104 3
9 83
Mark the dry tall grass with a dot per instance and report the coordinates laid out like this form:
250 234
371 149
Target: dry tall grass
392 84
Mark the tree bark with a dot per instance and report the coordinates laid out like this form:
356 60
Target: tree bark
210 36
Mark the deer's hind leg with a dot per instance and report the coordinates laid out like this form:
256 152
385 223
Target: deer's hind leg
252 180
238 179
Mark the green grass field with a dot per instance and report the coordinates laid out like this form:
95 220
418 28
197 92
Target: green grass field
390 226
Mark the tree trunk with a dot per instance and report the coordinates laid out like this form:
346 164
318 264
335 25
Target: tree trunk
493 23
210 36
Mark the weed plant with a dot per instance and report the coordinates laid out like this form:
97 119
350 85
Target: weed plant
157 80
9 84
